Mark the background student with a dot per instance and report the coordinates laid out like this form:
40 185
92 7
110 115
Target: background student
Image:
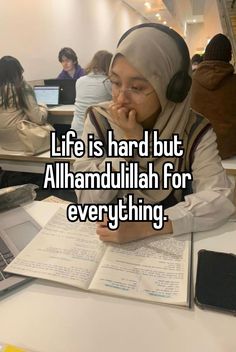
17 102
214 93
150 84
196 60
92 88
71 69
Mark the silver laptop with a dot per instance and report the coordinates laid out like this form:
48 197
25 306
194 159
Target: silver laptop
17 229
47 95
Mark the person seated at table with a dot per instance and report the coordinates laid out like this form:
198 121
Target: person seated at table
196 60
92 89
214 92
17 103
71 69
150 76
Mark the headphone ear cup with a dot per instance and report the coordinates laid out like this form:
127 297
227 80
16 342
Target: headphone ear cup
178 87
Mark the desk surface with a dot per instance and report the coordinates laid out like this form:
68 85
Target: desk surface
230 165
61 114
62 110
18 161
49 317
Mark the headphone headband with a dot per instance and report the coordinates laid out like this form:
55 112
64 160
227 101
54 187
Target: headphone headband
180 83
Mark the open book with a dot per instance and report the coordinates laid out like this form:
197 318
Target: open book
153 269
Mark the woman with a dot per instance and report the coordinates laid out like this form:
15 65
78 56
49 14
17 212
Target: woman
17 103
91 89
71 69
150 84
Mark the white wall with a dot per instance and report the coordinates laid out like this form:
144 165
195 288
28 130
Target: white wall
195 37
35 30
199 34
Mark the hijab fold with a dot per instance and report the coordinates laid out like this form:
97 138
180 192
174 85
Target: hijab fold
156 56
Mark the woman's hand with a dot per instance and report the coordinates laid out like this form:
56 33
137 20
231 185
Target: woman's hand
130 231
126 120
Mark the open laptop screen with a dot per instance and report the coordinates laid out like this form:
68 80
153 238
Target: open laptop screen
67 89
47 95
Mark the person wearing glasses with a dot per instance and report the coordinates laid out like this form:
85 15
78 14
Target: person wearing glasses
91 89
150 77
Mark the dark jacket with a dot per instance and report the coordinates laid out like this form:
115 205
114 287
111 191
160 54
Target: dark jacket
214 96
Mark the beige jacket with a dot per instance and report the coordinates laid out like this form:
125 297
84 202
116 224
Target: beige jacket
11 116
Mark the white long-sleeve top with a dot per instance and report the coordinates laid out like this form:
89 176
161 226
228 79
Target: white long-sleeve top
208 207
90 90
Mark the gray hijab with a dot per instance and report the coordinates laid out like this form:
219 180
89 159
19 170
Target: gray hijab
157 57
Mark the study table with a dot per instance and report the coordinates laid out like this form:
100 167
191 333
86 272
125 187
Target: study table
230 165
18 161
61 114
49 317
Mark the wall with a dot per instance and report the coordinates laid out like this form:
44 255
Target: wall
198 34
195 37
34 31
212 19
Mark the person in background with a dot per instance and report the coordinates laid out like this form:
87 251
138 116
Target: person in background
17 102
92 88
214 93
150 79
196 60
69 61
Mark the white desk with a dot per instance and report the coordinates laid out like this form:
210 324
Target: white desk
13 161
47 317
230 165
62 114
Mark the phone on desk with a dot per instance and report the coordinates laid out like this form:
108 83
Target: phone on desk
216 281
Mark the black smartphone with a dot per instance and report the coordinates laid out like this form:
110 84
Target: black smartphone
216 281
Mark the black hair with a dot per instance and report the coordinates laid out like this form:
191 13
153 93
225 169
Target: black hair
69 54
11 83
197 58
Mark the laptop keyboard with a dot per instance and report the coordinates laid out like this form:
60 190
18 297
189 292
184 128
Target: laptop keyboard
6 257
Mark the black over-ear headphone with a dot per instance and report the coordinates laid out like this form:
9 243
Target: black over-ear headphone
180 83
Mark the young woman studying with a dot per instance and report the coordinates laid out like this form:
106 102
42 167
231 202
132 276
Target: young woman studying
150 76
17 103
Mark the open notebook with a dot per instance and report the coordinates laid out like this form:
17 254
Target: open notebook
153 269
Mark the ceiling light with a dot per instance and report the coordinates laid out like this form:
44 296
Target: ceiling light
148 5
194 21
164 22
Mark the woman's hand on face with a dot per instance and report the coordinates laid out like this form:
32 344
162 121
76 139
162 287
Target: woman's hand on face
130 231
126 120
